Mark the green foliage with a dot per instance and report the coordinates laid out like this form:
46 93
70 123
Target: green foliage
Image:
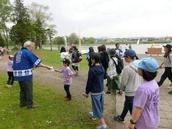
53 112
22 30
53 58
89 40
20 12
39 17
5 14
73 39
2 42
38 33
59 40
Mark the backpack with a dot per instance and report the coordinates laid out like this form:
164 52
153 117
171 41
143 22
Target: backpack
119 66
76 57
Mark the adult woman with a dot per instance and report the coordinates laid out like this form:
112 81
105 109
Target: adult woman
145 113
167 64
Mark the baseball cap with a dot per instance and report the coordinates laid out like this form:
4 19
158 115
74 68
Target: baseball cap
130 53
168 46
148 64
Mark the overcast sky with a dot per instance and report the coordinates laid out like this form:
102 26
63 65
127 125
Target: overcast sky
111 18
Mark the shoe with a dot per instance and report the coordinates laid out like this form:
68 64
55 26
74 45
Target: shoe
170 92
68 99
108 92
170 86
9 86
102 127
118 118
32 106
92 116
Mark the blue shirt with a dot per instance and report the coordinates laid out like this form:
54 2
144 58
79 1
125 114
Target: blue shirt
24 61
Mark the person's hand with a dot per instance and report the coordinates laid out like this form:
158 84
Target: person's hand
85 95
120 92
51 69
161 67
131 126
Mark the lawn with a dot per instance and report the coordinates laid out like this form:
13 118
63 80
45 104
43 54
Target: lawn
53 58
52 113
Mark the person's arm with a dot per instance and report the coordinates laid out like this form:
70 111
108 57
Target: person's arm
124 79
135 117
88 86
45 66
140 101
161 65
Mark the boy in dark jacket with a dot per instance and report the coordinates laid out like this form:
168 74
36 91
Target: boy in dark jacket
95 89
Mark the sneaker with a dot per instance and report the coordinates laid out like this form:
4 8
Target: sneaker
170 92
102 127
170 86
92 116
9 86
32 106
108 92
118 118
68 99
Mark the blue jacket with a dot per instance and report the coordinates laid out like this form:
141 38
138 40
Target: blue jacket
23 62
95 79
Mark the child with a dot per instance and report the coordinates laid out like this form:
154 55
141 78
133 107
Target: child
167 64
145 113
10 71
130 80
112 78
76 58
95 89
67 74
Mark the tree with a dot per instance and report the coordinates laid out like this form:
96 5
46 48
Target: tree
2 42
59 40
22 30
39 16
89 40
73 39
5 12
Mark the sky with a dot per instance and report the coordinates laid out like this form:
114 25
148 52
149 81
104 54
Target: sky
111 18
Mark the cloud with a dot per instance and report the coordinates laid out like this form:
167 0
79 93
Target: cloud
111 18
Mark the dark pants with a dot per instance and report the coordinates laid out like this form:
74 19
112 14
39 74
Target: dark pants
167 74
67 89
128 106
10 78
26 93
75 68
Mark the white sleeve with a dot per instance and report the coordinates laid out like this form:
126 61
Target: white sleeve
124 79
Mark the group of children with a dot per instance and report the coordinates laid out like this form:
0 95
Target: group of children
137 81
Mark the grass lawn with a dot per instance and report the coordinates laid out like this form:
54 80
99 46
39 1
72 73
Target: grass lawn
53 58
53 112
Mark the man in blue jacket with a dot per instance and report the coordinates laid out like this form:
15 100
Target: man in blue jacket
24 62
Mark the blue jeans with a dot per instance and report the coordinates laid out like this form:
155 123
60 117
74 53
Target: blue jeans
97 105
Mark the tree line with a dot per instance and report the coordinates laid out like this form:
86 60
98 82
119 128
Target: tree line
19 23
